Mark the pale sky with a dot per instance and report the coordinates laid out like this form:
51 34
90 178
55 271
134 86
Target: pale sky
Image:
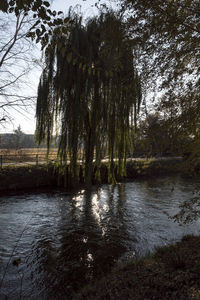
27 120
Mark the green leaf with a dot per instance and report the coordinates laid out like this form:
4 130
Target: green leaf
12 3
11 10
46 3
57 31
36 23
38 32
65 30
59 45
66 20
38 3
3 5
43 28
74 61
29 34
63 51
69 57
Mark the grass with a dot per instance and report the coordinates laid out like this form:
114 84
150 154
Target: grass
173 272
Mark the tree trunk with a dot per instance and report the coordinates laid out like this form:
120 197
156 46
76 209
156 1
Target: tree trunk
91 139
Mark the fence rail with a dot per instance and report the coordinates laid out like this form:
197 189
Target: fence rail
25 159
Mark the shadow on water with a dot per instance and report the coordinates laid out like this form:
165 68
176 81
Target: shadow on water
76 240
90 245
72 239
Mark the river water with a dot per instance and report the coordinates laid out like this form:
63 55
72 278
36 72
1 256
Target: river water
52 243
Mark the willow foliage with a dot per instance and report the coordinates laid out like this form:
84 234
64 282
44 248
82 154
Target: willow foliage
90 89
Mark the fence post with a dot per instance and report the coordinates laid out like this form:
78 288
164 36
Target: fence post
1 161
36 159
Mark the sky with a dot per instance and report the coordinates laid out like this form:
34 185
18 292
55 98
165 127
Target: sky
27 119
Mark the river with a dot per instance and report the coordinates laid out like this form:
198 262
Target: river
52 243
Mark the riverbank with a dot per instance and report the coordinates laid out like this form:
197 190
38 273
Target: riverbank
173 272
21 177
16 178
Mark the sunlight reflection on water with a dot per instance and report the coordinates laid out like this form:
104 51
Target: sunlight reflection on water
64 240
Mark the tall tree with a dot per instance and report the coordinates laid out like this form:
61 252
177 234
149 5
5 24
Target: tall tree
91 89
169 35
18 138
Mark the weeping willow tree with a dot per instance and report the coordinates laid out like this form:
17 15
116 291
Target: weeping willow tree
90 91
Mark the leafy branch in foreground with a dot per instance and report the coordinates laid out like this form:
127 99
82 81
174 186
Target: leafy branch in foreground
189 211
45 20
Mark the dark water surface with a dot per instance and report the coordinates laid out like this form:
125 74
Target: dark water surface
51 244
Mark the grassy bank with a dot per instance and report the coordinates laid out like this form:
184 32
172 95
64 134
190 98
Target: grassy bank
154 167
20 177
173 272
14 178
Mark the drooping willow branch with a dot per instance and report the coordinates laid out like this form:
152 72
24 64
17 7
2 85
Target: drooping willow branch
90 89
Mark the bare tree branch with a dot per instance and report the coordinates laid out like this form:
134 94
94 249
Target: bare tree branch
18 58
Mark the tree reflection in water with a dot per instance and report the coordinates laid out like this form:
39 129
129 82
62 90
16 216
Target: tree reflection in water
73 238
91 235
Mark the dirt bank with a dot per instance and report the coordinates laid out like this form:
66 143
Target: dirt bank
14 178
